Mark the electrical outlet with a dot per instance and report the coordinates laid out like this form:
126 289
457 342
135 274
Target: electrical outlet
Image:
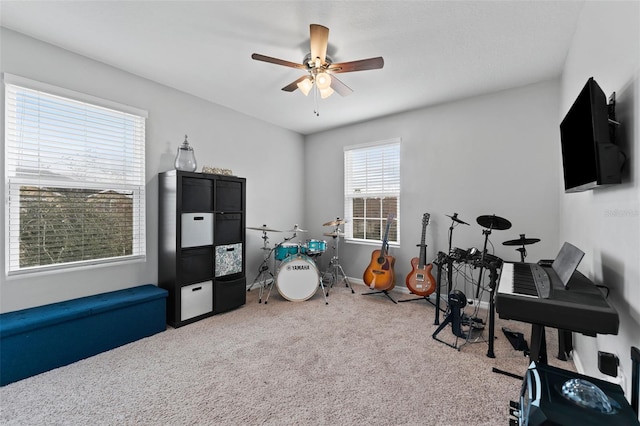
608 363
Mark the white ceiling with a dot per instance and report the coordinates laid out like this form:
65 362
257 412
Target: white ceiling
434 51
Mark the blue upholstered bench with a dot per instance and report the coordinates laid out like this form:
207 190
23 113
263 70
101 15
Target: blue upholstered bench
39 339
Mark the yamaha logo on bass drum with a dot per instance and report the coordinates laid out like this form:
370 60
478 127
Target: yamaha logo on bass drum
297 267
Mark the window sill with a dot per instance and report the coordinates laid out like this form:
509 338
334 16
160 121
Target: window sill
78 266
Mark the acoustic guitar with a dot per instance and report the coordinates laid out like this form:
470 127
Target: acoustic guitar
420 281
379 275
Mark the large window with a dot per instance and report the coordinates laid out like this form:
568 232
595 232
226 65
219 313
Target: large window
74 178
372 191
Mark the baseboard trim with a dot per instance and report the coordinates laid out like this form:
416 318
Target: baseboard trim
577 361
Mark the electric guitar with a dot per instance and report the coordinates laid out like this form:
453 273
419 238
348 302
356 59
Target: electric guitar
420 281
379 274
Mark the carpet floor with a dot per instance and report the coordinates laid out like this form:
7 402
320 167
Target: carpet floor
358 360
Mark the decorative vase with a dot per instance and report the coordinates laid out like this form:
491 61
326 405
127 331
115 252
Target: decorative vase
185 158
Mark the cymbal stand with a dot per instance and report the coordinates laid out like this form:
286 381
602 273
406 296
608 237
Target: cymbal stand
445 260
486 233
263 271
449 264
442 260
266 300
523 253
493 276
451 234
334 271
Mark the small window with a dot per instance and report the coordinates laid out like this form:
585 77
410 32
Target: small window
75 178
372 192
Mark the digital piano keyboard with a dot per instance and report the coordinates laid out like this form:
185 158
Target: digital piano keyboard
581 307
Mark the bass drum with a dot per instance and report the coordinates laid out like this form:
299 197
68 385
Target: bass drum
297 278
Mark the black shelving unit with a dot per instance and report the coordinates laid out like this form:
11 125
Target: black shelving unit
201 244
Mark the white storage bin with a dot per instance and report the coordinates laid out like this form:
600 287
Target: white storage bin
197 229
196 299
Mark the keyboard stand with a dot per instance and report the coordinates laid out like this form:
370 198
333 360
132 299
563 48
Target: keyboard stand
538 348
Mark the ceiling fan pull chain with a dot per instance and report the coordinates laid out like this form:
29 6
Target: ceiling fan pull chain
316 108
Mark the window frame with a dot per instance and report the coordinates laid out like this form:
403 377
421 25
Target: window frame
13 180
348 198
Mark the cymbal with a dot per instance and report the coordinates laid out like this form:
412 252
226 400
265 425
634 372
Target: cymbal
263 228
334 234
455 219
296 229
336 222
494 222
522 241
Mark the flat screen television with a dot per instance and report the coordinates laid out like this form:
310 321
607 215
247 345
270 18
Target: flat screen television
590 157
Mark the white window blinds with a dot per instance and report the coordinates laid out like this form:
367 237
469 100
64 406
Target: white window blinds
372 190
75 173
372 170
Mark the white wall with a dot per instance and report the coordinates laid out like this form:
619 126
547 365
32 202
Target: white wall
220 137
493 154
605 223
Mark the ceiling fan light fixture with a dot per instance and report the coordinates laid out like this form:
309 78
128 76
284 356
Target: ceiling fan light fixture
305 86
325 93
323 80
320 68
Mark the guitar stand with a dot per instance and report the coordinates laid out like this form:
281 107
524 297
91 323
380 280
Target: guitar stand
385 292
425 298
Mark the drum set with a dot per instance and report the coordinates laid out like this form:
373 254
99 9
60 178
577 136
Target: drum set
297 276
474 258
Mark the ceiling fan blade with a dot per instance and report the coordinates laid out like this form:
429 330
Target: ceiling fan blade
263 58
294 85
340 87
319 38
361 65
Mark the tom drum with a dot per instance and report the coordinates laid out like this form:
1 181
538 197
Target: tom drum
286 250
316 246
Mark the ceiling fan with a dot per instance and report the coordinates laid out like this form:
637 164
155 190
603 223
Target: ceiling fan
320 67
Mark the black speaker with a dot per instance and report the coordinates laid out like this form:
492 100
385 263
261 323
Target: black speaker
553 396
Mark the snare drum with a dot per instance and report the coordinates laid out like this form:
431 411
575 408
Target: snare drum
297 278
283 251
315 246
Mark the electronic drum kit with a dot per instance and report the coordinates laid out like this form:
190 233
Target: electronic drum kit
482 258
478 259
297 277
